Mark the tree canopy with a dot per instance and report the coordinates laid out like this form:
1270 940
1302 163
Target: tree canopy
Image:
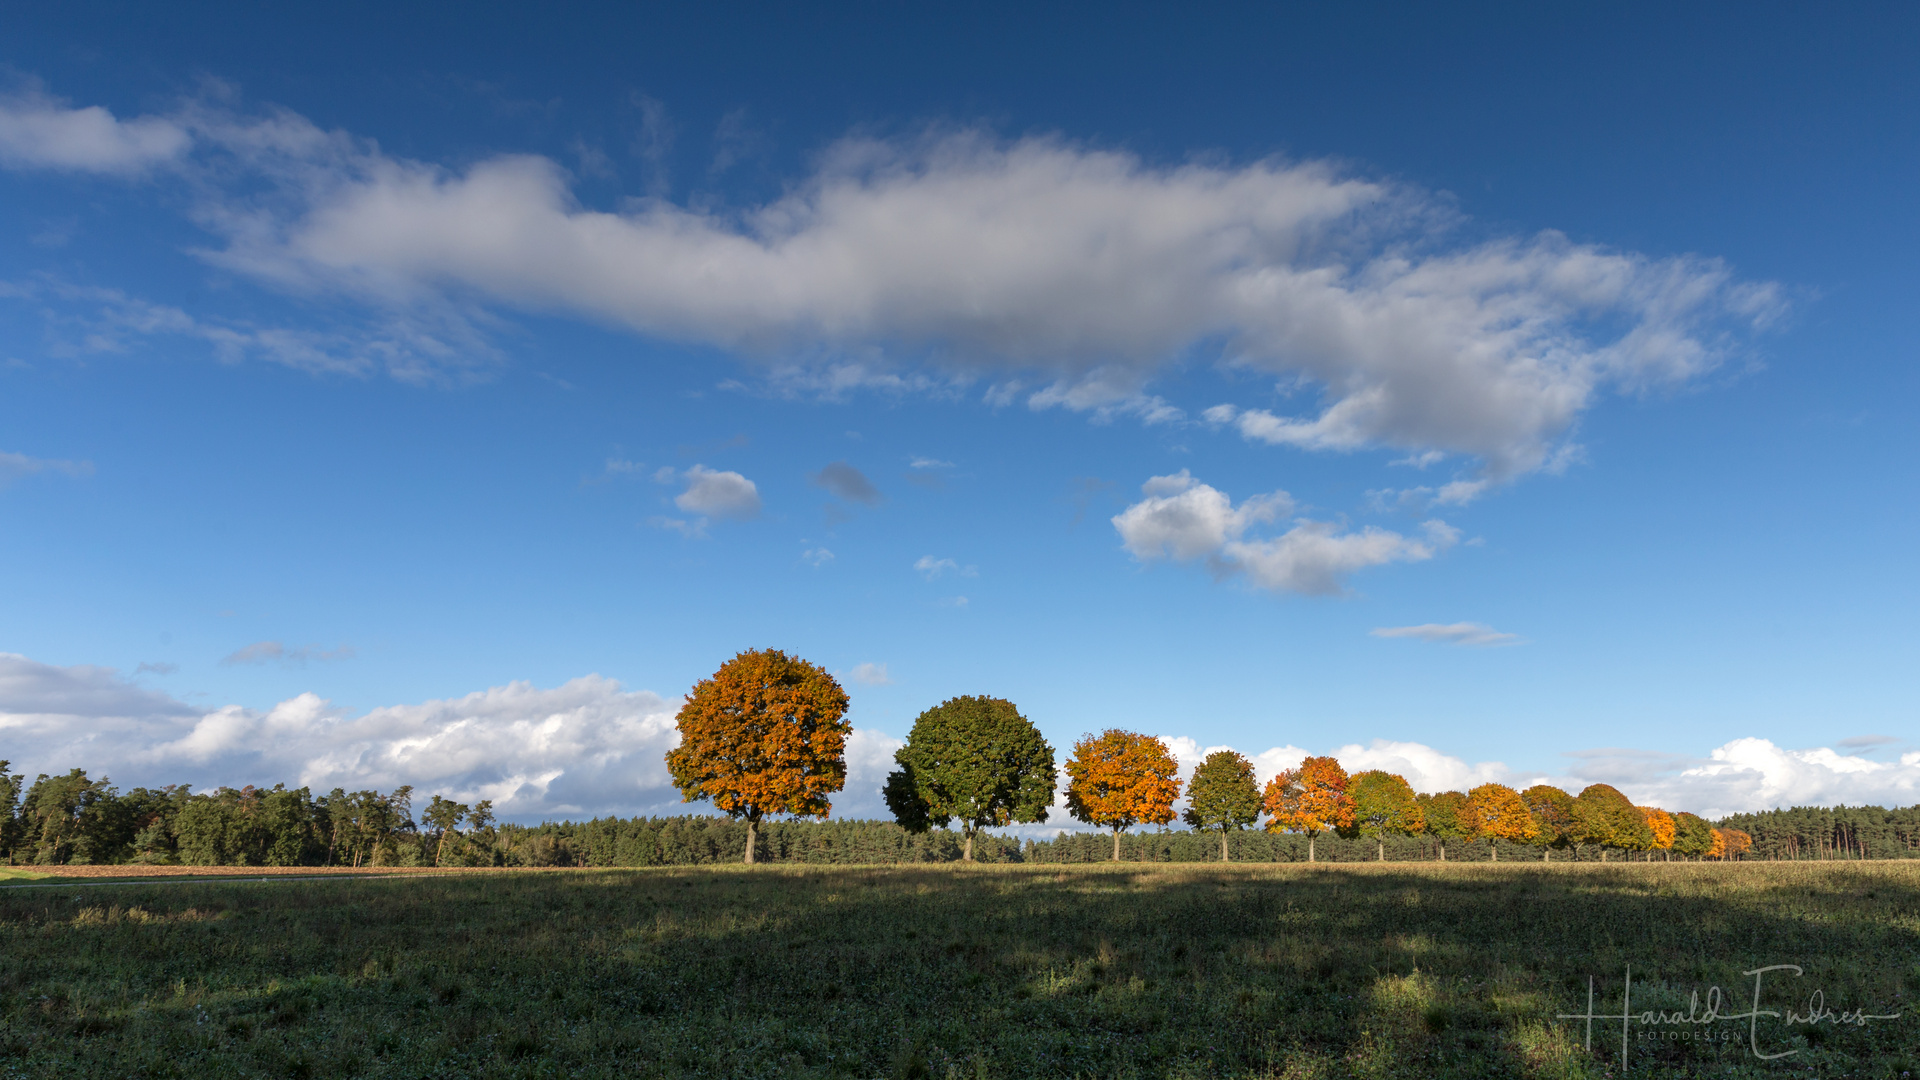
1384 805
1503 815
1661 825
1604 816
1119 779
1451 815
1310 799
1692 836
1222 795
1553 810
766 734
975 759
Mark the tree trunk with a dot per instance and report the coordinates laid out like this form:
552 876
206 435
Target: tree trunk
1223 843
1546 854
753 835
1116 845
1443 851
1309 847
1495 845
1380 855
1603 854
967 854
440 852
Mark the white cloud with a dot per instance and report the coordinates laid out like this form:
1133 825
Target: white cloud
1184 520
929 463
933 569
587 747
816 556
1039 262
1755 774
1462 633
37 131
713 493
261 652
870 674
14 466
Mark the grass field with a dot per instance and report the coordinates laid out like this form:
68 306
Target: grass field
1129 971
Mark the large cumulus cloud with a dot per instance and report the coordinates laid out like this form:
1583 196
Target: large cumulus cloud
1067 275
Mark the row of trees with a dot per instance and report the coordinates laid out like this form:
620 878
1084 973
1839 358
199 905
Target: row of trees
766 735
77 819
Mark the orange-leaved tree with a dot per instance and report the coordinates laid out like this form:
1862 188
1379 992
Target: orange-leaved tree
1309 799
1119 779
1384 804
1729 844
1503 815
767 734
1660 823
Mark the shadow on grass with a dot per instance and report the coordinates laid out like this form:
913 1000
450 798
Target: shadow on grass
1018 971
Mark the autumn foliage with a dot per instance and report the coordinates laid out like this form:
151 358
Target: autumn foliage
1503 815
765 735
1119 779
1310 799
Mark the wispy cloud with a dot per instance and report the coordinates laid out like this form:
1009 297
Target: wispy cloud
870 674
15 466
933 569
264 652
1460 633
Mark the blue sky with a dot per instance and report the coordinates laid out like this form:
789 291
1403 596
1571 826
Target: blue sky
1488 394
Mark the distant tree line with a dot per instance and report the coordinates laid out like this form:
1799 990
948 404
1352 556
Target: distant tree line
75 819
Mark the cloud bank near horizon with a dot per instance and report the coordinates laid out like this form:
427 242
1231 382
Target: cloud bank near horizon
1063 275
590 747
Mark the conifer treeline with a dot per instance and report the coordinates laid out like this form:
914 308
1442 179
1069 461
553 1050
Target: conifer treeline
76 819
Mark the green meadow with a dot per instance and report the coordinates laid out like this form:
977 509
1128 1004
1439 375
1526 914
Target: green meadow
1011 971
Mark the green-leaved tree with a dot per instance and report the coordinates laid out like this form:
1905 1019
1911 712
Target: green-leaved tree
1450 816
1222 795
974 760
1692 836
1602 815
10 829
445 816
1384 805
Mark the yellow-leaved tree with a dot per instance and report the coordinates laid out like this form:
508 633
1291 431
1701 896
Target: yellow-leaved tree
1503 815
1309 799
767 734
1660 823
1119 779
